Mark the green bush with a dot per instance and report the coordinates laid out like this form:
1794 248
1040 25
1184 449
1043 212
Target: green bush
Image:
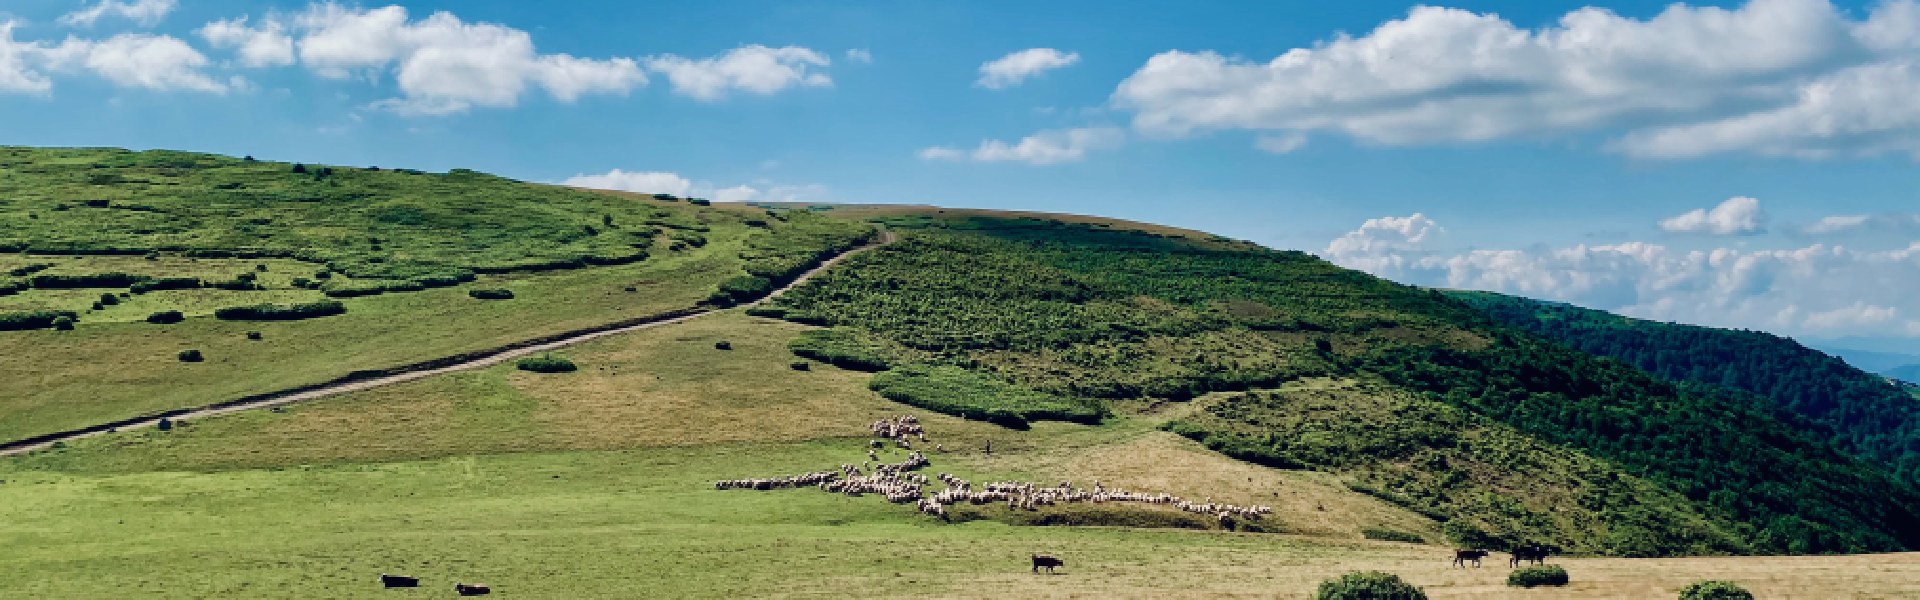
191 356
1368 585
801 365
29 269
109 299
63 323
92 280
166 317
280 312
1537 576
1390 535
979 396
254 335
740 289
33 320
165 283
1714 590
491 294
723 345
546 364
842 347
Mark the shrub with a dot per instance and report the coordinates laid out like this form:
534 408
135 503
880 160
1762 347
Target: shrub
546 364
242 283
165 424
32 320
1368 585
740 289
842 348
109 299
92 280
801 365
1390 535
253 335
1714 590
280 312
166 317
1537 576
979 396
491 294
723 345
165 283
191 356
29 269
63 323
699 202
260 267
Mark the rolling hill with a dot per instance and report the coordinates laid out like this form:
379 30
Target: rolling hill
1377 420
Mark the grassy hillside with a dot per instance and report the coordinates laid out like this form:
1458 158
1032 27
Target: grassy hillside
111 238
1079 313
1858 411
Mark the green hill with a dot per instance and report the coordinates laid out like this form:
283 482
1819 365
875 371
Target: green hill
1059 313
1855 410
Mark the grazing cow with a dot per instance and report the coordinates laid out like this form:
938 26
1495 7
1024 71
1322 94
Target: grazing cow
475 589
1535 554
1460 557
399 581
1042 560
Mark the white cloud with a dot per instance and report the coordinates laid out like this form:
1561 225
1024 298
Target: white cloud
754 69
16 70
1813 290
1008 71
147 13
1848 223
1777 77
860 55
1048 147
1284 143
138 60
1738 215
264 46
662 182
444 65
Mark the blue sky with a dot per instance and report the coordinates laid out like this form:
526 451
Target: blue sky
1556 150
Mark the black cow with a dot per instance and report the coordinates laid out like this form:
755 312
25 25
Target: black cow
399 581
1536 554
1042 560
1460 557
472 589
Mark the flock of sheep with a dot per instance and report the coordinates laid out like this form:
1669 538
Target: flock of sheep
899 484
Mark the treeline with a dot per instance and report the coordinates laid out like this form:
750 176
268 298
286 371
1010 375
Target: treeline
280 312
1858 411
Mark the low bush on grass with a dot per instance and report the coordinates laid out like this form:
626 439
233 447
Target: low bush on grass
491 294
191 356
980 397
546 364
254 335
842 348
280 312
723 345
166 317
63 323
1391 535
29 269
1537 576
801 365
91 280
740 289
165 283
109 299
42 319
1368 585
1714 590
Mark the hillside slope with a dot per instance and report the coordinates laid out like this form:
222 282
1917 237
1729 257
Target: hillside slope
1009 320
1860 411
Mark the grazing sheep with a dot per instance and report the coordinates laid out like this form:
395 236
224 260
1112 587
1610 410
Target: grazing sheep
398 581
1042 560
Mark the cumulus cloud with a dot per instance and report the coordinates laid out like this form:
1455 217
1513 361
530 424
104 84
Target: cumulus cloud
1739 215
137 60
1778 77
1048 147
1813 290
754 69
147 13
663 182
1008 71
443 65
17 72
265 46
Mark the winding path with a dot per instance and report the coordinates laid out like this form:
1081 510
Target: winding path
421 370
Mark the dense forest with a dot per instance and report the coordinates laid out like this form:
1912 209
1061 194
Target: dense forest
1078 312
1860 412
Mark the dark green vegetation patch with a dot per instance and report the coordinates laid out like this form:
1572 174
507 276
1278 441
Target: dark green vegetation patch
1537 576
1368 585
16 321
546 364
1714 590
979 396
281 312
491 294
1041 310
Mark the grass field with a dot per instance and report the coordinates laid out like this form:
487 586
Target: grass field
599 484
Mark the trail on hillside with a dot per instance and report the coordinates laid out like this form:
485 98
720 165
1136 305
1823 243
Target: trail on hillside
421 370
